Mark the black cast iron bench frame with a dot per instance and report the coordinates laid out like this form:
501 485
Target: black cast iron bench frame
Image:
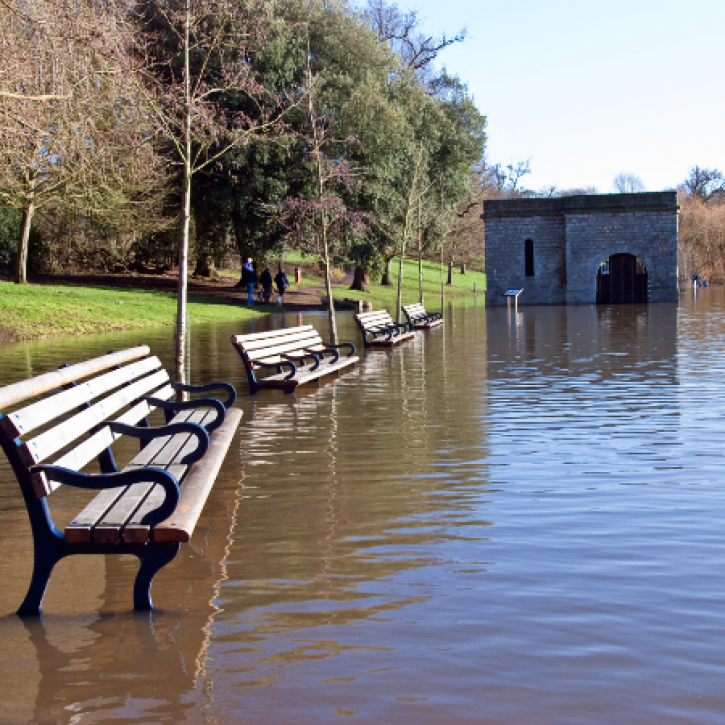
150 507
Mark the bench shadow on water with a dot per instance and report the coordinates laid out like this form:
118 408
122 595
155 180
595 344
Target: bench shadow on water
513 518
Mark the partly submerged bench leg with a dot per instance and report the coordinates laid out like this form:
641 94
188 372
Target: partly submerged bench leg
153 558
43 564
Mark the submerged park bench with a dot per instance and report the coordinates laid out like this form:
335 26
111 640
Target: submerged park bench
419 319
150 507
290 348
378 329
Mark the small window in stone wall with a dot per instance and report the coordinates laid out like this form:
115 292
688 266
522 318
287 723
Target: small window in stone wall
529 258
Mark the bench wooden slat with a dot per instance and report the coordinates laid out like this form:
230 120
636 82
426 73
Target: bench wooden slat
39 448
79 530
277 350
133 530
154 447
25 389
272 340
182 443
244 339
43 411
197 484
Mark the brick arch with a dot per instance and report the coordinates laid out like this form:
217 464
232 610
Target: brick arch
623 281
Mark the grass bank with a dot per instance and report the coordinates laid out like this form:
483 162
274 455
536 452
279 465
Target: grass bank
34 311
386 297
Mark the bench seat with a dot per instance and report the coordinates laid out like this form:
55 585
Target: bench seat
149 507
298 354
379 330
419 319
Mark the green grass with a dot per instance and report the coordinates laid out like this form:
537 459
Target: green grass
35 311
386 297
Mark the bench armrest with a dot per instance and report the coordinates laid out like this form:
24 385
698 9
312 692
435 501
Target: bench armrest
100 481
334 350
228 387
173 406
168 430
381 330
308 353
278 365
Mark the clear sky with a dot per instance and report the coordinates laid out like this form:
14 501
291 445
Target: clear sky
591 88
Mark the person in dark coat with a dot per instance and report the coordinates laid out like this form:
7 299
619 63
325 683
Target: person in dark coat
249 279
280 279
265 279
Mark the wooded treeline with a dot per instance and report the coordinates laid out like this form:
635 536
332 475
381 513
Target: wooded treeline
231 126
702 225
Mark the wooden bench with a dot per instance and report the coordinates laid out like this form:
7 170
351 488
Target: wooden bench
419 319
378 329
151 506
300 349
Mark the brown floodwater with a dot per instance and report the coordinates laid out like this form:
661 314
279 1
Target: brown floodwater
516 518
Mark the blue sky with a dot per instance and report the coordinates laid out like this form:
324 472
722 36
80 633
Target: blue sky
590 89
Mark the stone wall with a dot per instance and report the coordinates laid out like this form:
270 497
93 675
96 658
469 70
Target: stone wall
571 237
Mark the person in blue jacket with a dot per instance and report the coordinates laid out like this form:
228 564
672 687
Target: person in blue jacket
249 280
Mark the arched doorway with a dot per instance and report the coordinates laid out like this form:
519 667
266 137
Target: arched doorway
621 279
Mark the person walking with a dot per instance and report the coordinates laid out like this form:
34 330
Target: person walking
265 279
280 279
249 279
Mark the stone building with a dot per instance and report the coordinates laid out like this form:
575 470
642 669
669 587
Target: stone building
573 250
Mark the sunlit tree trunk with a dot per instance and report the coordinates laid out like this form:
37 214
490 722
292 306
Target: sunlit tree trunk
181 331
420 258
21 259
328 284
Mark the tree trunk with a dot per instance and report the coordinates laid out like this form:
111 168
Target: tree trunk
204 267
463 267
360 281
420 256
21 260
450 272
420 272
387 280
328 285
180 351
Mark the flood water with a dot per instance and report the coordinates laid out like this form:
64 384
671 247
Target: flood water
516 518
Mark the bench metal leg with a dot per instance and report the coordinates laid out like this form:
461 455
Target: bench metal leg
42 569
153 559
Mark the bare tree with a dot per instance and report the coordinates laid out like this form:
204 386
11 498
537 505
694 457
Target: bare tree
403 31
192 61
318 223
70 131
505 180
628 184
703 183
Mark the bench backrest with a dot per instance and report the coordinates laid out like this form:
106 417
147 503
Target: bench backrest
414 311
370 320
69 427
268 346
